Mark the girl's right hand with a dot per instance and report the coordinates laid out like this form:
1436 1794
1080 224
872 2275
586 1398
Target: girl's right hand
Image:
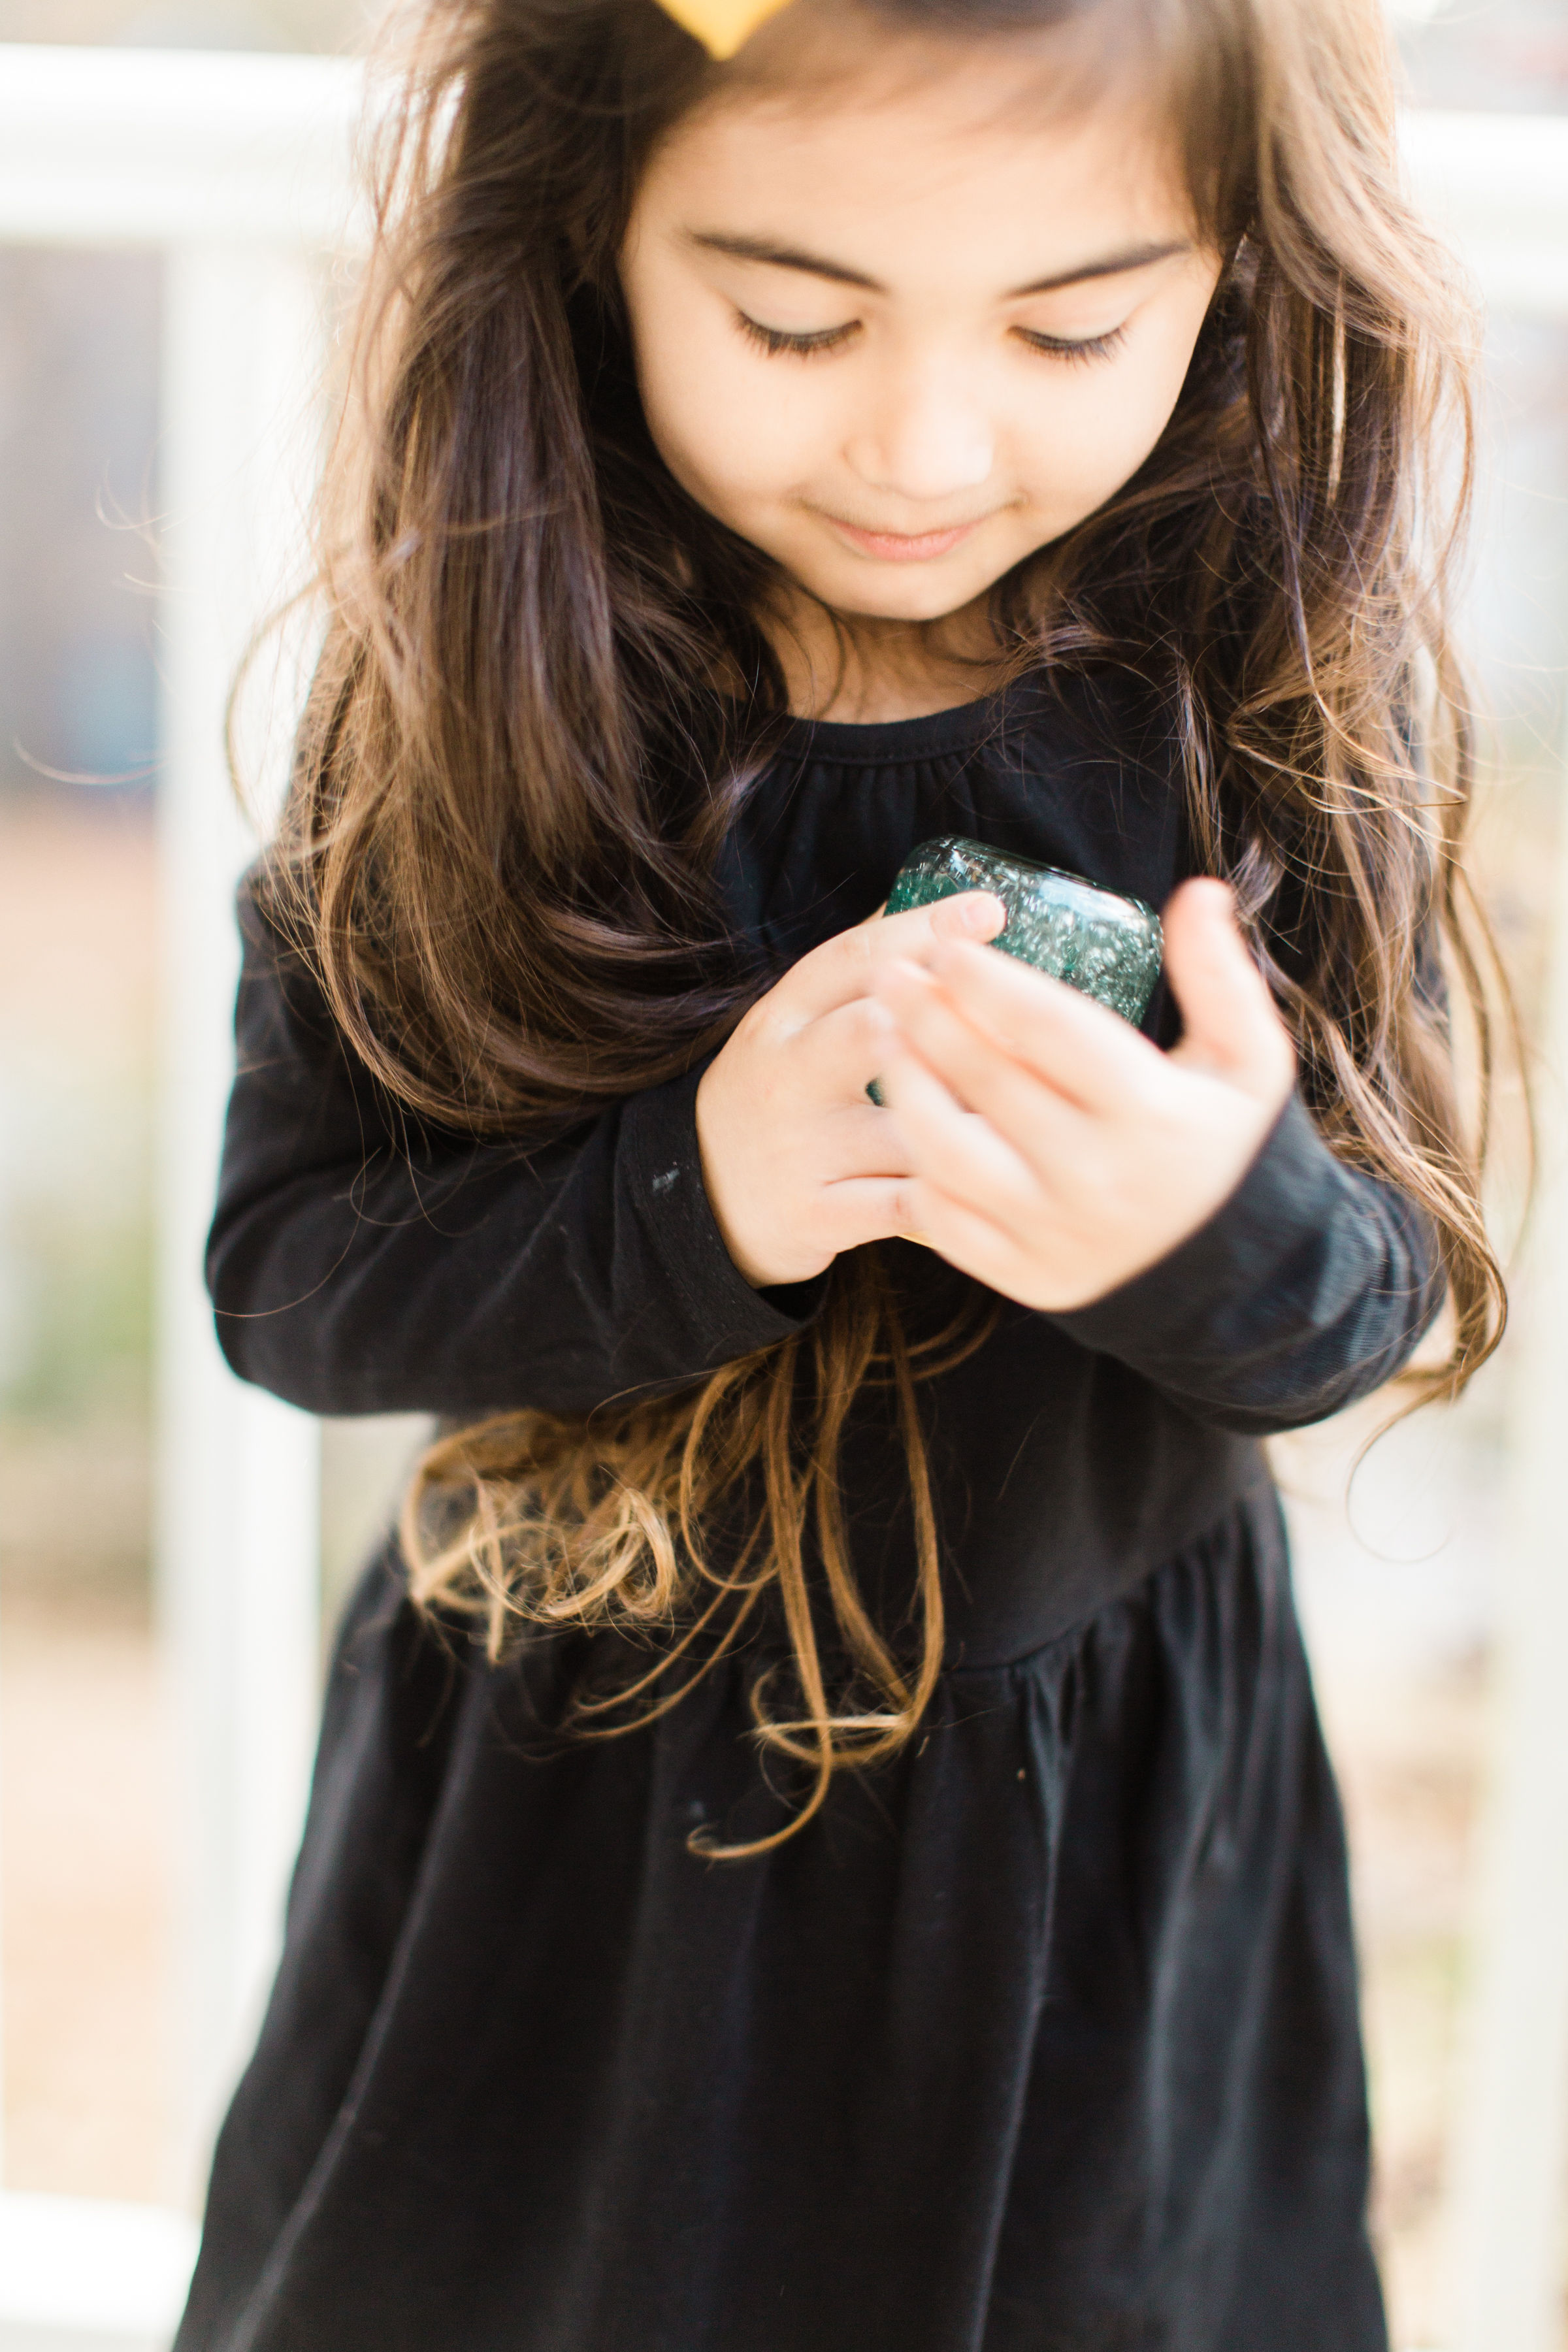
798 1163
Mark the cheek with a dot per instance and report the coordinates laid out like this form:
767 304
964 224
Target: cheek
729 432
1078 450
1089 442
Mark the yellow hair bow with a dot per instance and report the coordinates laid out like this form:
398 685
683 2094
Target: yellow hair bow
721 25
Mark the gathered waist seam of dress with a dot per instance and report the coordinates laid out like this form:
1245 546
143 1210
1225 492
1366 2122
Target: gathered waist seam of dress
1259 1489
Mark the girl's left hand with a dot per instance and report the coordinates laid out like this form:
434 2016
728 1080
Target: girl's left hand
1057 1152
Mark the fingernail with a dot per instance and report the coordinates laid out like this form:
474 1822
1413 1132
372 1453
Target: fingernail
975 915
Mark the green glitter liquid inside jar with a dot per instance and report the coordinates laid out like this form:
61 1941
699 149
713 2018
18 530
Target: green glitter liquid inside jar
1106 945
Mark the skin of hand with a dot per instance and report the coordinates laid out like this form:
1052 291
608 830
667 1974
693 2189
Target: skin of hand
798 1163
1055 1152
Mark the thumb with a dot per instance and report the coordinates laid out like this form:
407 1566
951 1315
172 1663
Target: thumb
1229 1024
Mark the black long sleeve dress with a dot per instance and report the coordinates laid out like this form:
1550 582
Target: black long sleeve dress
1042 2036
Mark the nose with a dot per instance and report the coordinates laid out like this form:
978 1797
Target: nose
926 438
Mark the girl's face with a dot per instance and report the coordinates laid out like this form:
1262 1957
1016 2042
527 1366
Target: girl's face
901 333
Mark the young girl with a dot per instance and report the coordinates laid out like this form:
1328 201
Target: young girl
821 1840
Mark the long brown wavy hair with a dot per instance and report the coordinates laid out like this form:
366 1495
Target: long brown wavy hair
516 770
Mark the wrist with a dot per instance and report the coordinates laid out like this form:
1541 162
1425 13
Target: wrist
750 1269
748 1266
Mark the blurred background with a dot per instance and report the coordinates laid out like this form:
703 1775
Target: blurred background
87 1869
1399 1563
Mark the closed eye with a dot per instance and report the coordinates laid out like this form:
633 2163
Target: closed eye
774 341
1093 347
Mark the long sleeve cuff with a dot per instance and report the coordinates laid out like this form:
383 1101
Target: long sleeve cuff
1310 1285
674 1231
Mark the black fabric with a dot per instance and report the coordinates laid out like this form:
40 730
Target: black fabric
1042 2038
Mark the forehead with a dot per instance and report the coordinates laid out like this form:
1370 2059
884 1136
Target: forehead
919 152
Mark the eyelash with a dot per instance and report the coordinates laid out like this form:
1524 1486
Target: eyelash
1098 347
775 341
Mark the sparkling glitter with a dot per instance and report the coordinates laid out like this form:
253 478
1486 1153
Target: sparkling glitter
1107 946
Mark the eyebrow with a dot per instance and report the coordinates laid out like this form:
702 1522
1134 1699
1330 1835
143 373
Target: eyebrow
815 265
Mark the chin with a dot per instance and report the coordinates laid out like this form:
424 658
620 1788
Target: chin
902 597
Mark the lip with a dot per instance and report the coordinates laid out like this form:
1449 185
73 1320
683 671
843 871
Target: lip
902 547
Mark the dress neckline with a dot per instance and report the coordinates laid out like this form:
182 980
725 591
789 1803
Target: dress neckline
879 742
